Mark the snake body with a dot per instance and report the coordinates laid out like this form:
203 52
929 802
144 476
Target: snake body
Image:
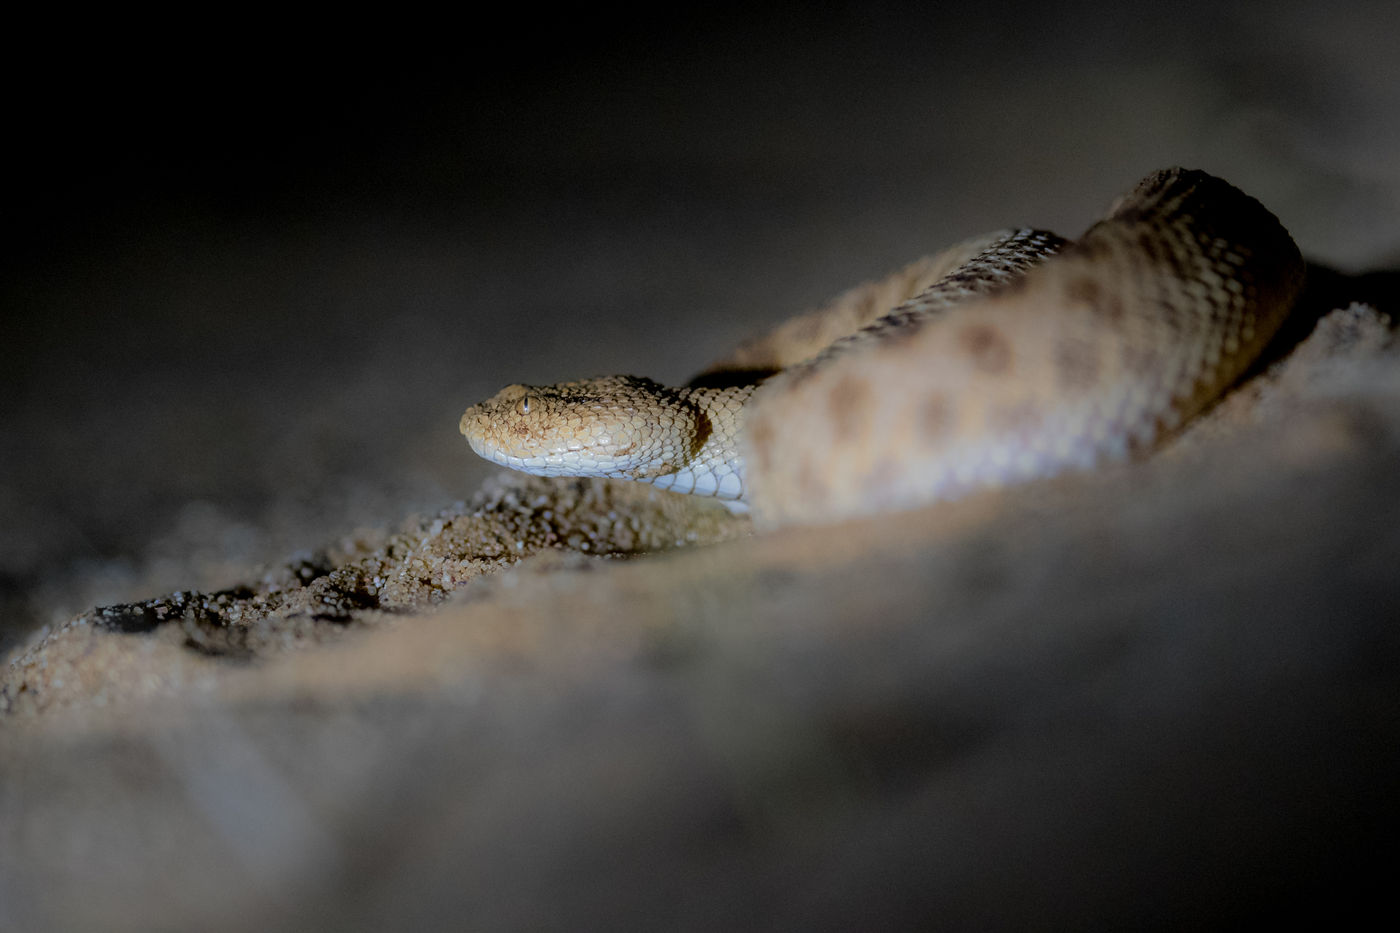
1011 357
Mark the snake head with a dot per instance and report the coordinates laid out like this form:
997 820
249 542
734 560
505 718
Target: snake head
617 426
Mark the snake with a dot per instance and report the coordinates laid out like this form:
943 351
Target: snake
1012 357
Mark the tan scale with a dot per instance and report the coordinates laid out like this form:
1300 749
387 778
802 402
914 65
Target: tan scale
1008 358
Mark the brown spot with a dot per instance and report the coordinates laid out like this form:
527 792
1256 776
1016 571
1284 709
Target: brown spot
1083 289
520 429
935 419
1111 308
761 442
989 349
1076 363
846 403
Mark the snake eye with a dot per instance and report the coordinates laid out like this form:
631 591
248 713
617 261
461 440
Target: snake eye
523 406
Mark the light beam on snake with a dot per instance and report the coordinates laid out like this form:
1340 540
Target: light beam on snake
1030 357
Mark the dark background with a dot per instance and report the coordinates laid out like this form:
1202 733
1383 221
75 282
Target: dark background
250 283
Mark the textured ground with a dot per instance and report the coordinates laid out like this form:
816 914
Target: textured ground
240 344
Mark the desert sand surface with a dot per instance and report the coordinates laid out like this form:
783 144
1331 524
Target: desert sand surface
281 653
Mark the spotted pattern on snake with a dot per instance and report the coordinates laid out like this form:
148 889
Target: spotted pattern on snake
1008 358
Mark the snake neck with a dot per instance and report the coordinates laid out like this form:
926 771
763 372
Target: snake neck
714 466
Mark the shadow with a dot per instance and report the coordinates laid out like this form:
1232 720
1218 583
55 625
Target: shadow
1326 290
730 378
